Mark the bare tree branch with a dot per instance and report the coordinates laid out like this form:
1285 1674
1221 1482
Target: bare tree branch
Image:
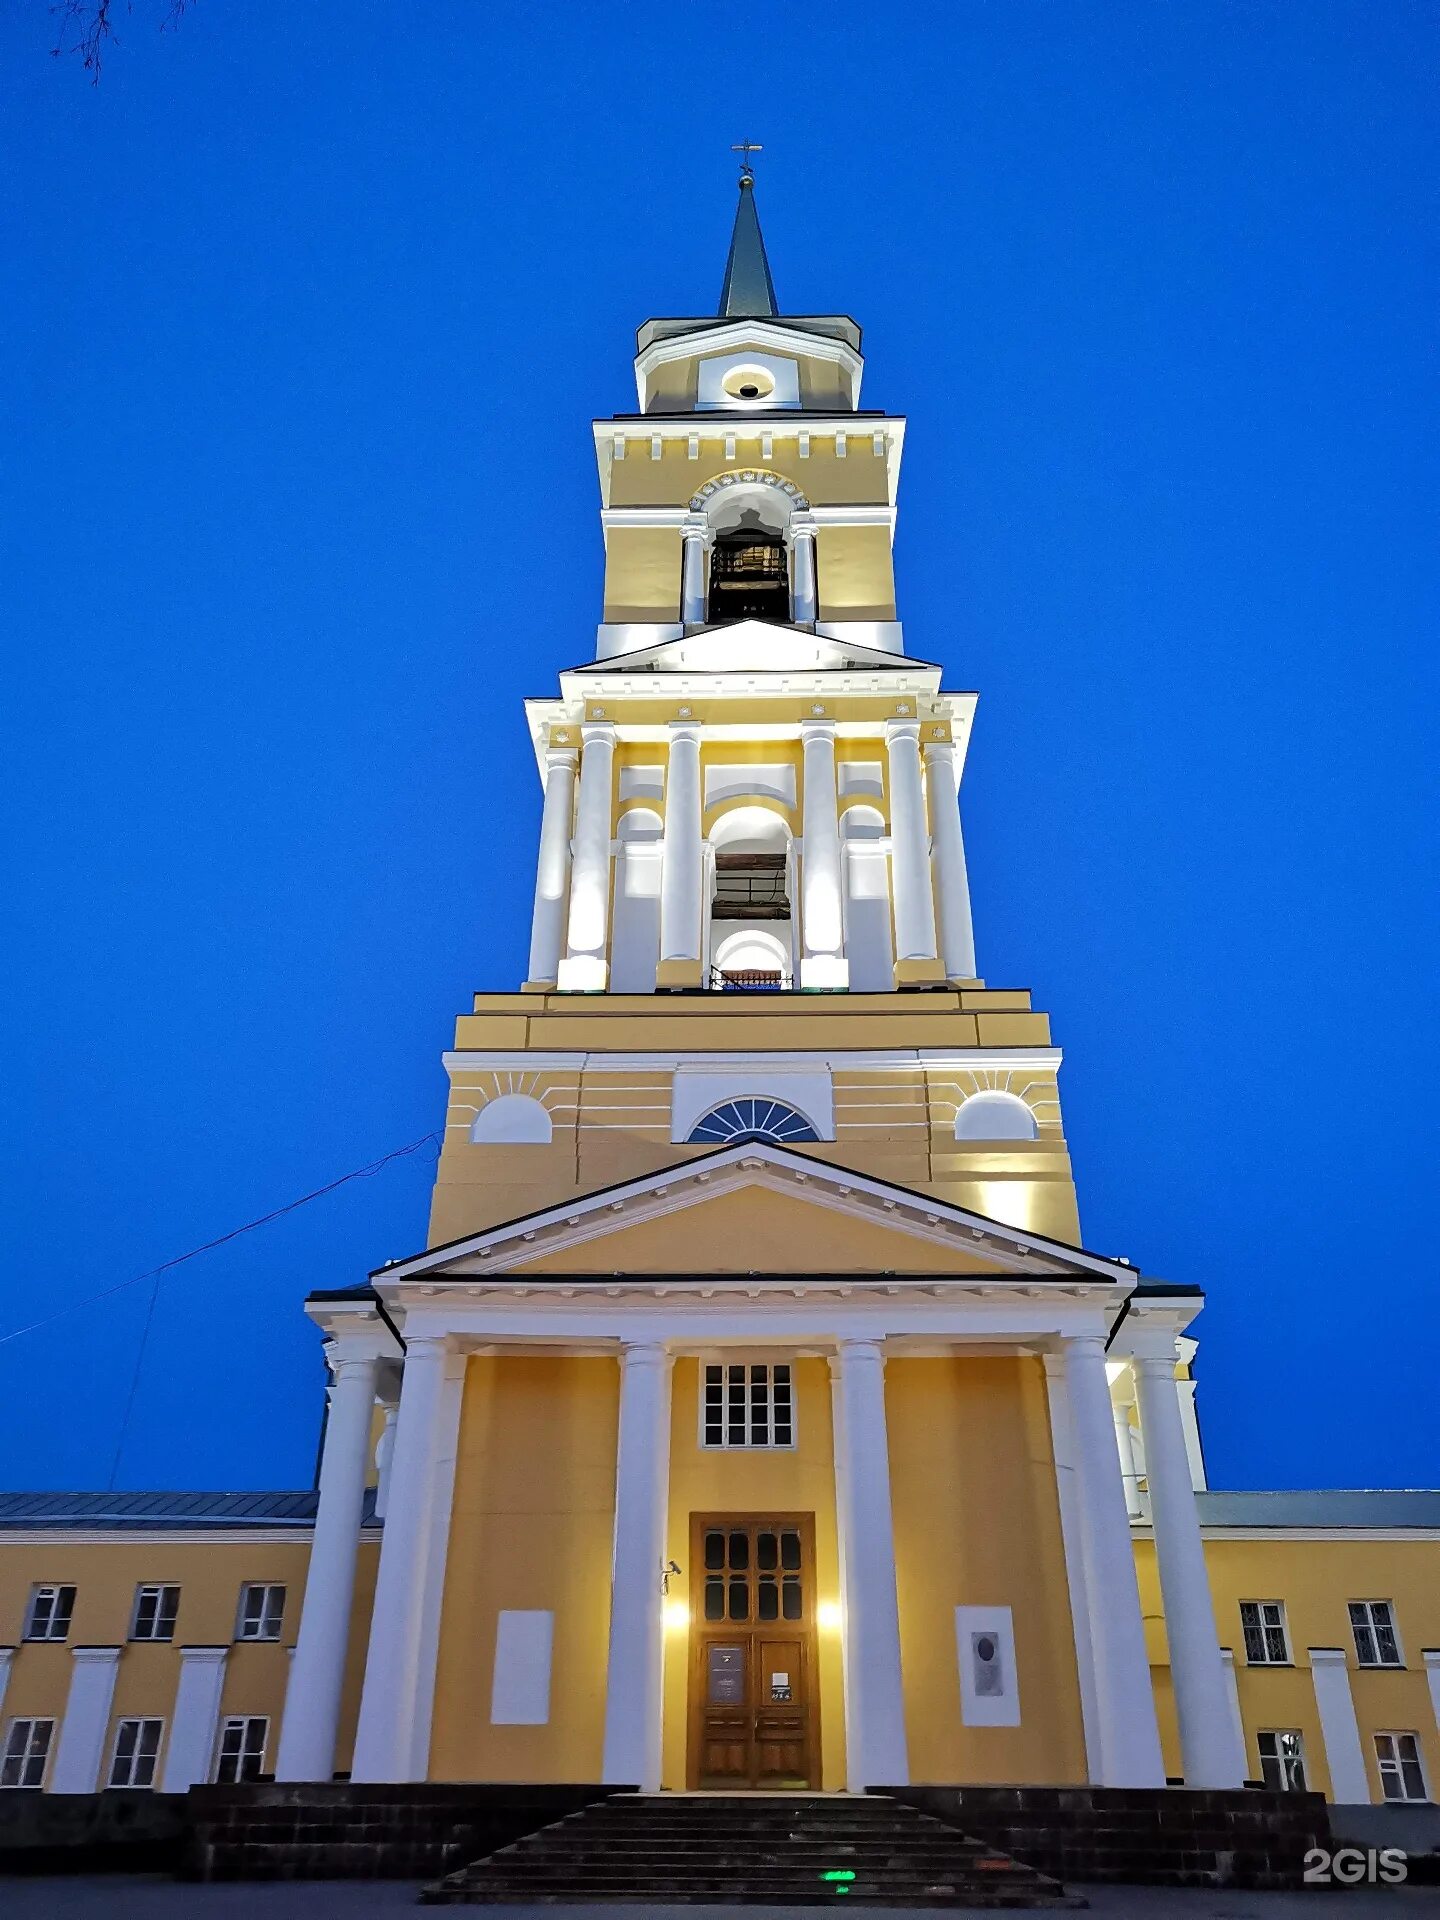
85 28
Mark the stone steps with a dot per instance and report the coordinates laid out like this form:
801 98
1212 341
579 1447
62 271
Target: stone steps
749 1850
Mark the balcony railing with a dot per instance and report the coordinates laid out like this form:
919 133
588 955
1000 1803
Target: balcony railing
748 980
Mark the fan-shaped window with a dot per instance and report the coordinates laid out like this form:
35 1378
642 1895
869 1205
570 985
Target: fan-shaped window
745 1119
995 1116
512 1120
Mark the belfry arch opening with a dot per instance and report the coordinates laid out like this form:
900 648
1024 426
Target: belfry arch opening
751 931
749 556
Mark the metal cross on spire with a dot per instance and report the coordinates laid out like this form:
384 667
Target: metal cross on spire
745 149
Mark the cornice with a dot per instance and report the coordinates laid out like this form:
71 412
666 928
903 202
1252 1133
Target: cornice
895 1060
268 1535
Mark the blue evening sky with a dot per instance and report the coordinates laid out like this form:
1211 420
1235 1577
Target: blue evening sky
308 310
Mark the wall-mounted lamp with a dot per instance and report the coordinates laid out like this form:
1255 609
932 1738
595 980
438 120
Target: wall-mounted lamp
828 1615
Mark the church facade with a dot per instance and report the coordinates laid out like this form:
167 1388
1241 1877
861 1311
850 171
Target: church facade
755 1416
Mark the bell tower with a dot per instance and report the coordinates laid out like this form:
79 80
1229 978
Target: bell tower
751 788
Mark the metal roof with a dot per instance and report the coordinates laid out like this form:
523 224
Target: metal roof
748 292
1358 1507
150 1512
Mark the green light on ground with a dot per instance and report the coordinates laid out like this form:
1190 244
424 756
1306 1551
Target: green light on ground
839 1873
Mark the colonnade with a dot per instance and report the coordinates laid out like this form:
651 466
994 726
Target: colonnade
1121 1732
930 893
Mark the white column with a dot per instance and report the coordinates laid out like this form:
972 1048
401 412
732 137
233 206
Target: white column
191 1746
552 873
821 923
633 1684
317 1673
1063 1445
692 573
875 1749
909 848
447 1445
1232 1707
384 1456
584 968
1207 1741
682 864
1339 1729
385 1734
952 882
1125 1447
80 1753
802 574
1125 1701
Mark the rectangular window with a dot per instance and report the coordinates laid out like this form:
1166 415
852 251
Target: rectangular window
1263 1624
747 1406
1376 1642
49 1614
241 1753
27 1748
262 1609
1282 1761
1401 1777
155 1611
137 1747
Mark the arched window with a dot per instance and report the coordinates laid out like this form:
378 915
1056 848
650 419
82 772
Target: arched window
745 1119
513 1120
995 1116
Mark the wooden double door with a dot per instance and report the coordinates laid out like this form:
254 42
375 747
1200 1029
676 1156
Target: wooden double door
754 1698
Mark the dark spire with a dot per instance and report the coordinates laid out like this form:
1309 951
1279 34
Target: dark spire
748 290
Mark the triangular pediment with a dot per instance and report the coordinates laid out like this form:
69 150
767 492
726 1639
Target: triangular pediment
756 646
755 1208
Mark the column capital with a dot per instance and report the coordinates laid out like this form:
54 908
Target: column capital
1084 1343
347 1359
204 1655
857 1352
1155 1365
598 733
643 1353
1327 1656
905 727
817 729
560 756
684 730
939 749
428 1346
94 1656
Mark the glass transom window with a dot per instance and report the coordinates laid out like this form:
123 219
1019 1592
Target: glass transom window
741 1119
747 1405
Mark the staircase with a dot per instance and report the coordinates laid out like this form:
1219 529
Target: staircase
748 1850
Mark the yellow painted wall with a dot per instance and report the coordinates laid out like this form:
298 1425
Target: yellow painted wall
719 1481
642 574
977 1522
210 1574
1316 1579
860 479
855 573
532 1522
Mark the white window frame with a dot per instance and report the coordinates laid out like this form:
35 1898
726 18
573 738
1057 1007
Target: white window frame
1392 1765
1270 1618
143 1755
159 1588
269 1616
1372 1628
28 1740
40 1593
246 1747
750 1364
1284 1764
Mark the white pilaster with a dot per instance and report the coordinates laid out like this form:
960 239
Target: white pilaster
447 1443
802 573
822 925
909 846
80 1752
952 882
695 535
634 1675
681 863
1207 1742
1232 1706
1430 1655
7 1656
191 1746
552 873
1062 1442
584 968
384 1738
384 1456
1339 1729
312 1697
875 1749
1125 1447
1129 1737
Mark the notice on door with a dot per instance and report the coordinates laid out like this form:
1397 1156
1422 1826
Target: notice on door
726 1676
780 1687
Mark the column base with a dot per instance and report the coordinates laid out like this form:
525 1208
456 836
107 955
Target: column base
582 973
672 976
919 973
824 973
539 986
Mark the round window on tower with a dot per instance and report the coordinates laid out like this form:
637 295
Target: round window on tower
749 383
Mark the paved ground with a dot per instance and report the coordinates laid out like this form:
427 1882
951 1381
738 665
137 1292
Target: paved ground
137 1897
